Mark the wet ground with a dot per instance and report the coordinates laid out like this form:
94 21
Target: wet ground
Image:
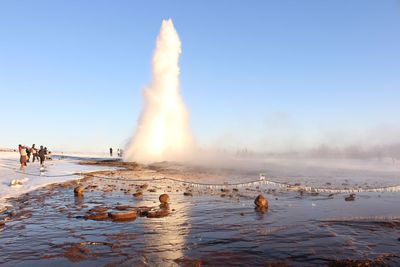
204 227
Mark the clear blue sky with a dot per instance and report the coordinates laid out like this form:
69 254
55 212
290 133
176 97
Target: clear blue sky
252 72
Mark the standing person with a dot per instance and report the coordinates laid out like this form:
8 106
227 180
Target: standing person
28 153
42 155
23 156
110 151
34 152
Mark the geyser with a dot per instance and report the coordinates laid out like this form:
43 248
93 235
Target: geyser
163 130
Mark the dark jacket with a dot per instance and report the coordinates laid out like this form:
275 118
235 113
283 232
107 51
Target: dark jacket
42 153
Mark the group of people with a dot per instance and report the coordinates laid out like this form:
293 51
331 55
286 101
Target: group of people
26 153
120 152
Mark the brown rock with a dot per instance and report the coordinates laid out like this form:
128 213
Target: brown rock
97 216
188 194
138 194
164 206
123 207
351 197
98 209
143 211
2 223
261 201
261 209
164 198
123 215
78 191
144 186
158 213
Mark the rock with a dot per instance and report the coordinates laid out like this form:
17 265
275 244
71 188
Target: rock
97 216
152 190
261 209
143 211
164 198
78 191
144 186
2 223
123 215
261 201
98 209
225 190
138 194
123 207
164 206
351 197
235 189
158 213
188 194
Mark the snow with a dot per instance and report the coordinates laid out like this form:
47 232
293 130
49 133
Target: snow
14 182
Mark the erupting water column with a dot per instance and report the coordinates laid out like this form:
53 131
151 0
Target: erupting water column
163 129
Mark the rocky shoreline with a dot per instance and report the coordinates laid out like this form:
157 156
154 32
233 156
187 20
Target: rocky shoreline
106 218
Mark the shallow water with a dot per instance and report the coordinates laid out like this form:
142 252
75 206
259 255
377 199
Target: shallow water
211 228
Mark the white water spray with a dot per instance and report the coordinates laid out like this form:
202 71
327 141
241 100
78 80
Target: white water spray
163 129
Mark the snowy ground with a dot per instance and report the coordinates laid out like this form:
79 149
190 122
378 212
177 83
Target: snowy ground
56 171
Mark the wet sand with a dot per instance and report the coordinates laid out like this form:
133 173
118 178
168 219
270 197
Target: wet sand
203 227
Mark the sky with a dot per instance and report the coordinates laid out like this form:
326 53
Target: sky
262 75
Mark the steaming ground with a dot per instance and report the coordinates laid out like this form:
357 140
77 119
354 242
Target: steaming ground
316 172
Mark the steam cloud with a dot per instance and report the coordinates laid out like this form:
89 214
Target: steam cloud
163 129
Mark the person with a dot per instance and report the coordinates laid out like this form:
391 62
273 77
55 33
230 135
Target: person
42 155
34 152
111 150
28 153
23 156
118 153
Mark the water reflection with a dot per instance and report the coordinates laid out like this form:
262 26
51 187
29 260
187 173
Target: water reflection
79 200
165 238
